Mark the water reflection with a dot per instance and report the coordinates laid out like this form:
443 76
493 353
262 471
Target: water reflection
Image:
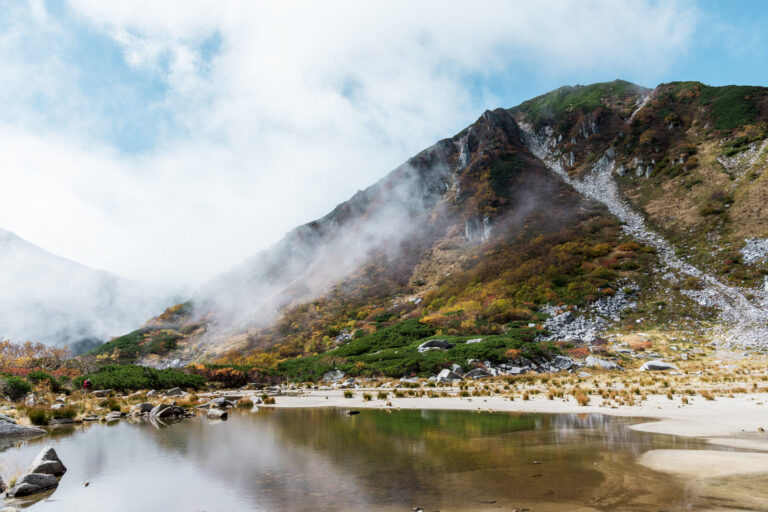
321 459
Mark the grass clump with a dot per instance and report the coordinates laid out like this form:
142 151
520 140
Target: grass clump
349 394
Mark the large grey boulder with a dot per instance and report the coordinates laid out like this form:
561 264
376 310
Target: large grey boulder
447 376
478 373
221 403
174 392
161 411
455 368
594 362
101 392
333 376
48 462
563 363
217 414
6 418
349 383
142 408
434 345
11 430
657 366
33 483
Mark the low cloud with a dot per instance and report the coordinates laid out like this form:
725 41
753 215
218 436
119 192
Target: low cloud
263 115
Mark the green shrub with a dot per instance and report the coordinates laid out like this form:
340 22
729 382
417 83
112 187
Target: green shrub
382 395
131 377
39 376
349 394
16 387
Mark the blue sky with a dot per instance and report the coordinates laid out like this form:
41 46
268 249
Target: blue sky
207 130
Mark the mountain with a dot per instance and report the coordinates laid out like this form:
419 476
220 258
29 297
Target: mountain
587 210
56 301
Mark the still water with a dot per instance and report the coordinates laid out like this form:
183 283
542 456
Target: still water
321 459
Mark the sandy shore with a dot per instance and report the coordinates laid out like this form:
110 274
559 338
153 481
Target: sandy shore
729 422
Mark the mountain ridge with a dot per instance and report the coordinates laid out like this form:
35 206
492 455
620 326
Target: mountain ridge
491 185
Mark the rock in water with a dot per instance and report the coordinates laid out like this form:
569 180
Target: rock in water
217 414
657 366
32 483
47 462
161 411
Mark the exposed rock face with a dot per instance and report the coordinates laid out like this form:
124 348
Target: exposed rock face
33 483
48 462
656 366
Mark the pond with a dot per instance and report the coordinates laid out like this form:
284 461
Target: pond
321 459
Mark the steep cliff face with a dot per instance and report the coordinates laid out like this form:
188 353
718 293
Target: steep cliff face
627 205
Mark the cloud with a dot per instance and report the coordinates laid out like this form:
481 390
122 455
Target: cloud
253 117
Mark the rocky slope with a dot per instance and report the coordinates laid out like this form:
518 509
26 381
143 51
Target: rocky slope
56 301
629 208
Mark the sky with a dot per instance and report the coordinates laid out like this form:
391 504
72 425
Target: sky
168 141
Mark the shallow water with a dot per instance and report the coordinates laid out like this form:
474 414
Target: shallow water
321 459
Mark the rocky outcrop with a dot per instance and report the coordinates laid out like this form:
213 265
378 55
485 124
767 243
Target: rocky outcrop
32 483
48 462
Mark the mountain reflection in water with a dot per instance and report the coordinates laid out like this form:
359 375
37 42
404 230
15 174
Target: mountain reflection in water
321 459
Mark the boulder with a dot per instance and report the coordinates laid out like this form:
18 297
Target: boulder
349 383
61 421
161 411
657 366
151 393
6 418
174 392
475 340
478 373
32 483
217 414
447 376
142 408
113 416
594 362
351 412
333 376
48 462
56 407
455 368
563 363
584 375
221 403
434 345
3 487
101 392
13 430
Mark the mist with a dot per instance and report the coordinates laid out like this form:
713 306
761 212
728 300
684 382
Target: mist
55 301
